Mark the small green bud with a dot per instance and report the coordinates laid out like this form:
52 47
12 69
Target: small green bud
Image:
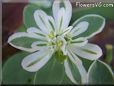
60 57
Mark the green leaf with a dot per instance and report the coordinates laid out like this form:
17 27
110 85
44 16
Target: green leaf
25 42
87 63
107 12
66 81
75 71
100 73
28 15
96 24
13 72
52 73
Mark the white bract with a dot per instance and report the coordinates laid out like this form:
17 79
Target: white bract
55 36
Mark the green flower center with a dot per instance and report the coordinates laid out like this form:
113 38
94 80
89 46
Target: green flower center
60 56
51 35
57 42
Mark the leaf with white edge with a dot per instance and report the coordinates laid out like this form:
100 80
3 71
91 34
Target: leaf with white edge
22 41
87 63
66 81
52 73
100 73
28 15
106 12
13 73
72 72
96 25
78 63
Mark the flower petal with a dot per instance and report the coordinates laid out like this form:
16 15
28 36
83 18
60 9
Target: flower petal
80 28
63 48
68 72
79 65
68 13
79 42
52 23
60 19
37 60
23 41
67 30
89 51
64 11
42 20
35 30
40 35
39 45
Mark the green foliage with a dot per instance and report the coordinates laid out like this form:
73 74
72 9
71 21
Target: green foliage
96 24
28 15
52 73
24 41
13 72
75 72
107 12
100 73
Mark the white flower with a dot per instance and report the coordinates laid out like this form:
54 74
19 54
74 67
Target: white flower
55 36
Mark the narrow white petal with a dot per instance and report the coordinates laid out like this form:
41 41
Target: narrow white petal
89 51
79 65
52 23
65 14
80 28
68 72
60 18
55 8
21 34
37 60
39 45
34 30
63 48
41 19
79 42
67 30
39 34
68 13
